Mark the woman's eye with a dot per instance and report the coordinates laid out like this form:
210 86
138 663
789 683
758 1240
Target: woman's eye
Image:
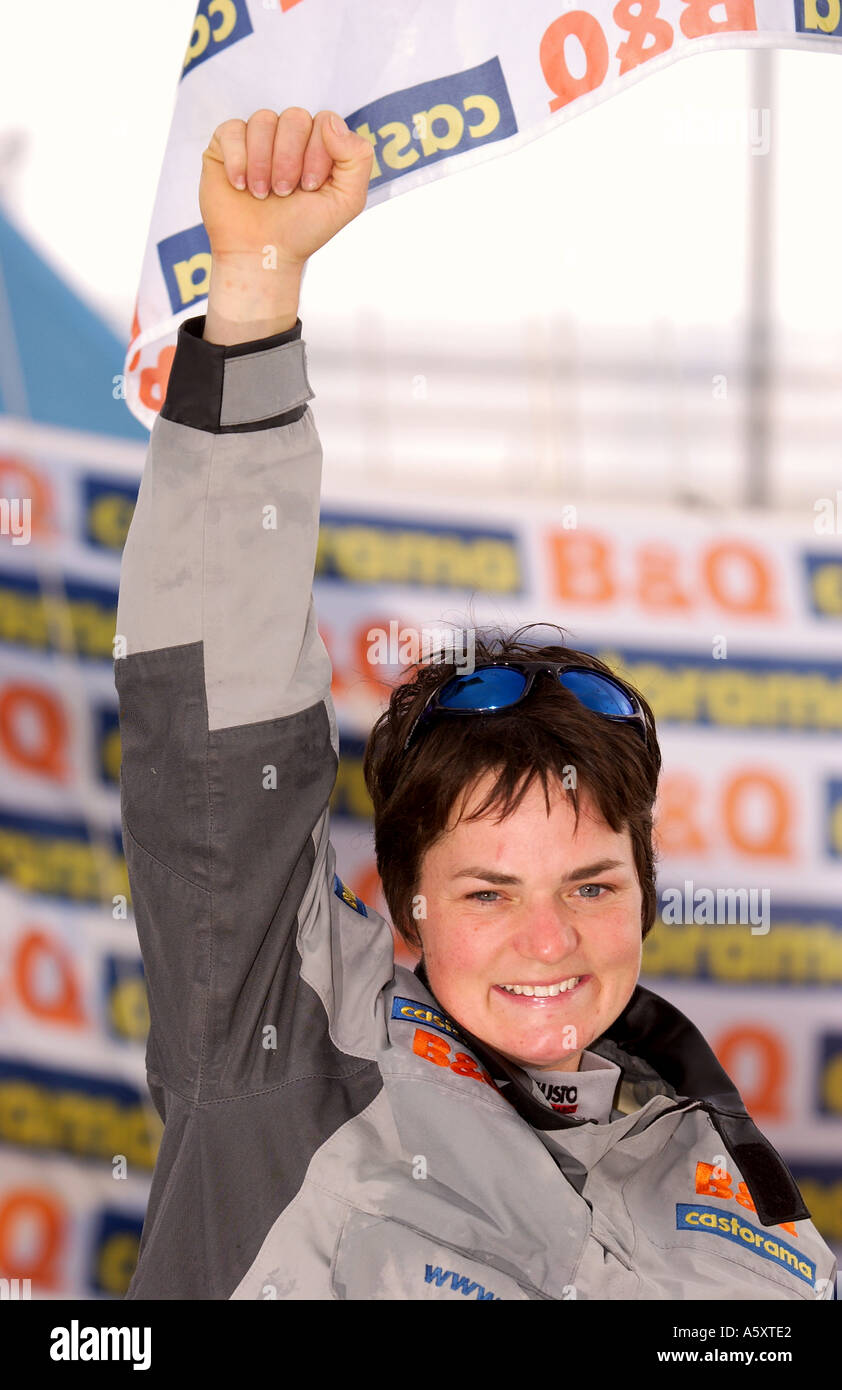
483 894
598 886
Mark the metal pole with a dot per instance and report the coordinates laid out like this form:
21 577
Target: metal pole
759 344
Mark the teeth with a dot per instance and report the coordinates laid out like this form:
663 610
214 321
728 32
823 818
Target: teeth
544 991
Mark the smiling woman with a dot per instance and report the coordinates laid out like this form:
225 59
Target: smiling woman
540 964
515 1119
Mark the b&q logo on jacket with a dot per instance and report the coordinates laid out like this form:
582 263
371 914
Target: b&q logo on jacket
715 1182
712 1181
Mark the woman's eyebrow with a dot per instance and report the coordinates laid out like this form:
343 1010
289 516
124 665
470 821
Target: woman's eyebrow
584 871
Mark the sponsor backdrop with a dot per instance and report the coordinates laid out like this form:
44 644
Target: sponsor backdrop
435 88
731 627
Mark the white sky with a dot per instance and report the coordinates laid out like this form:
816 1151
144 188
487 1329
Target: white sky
632 212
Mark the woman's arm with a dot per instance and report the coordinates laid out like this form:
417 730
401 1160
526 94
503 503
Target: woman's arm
228 737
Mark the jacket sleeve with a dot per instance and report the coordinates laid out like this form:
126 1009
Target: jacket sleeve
228 735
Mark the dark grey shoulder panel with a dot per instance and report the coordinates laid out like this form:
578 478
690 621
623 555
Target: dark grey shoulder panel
218 834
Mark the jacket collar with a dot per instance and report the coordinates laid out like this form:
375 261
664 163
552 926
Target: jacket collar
652 1032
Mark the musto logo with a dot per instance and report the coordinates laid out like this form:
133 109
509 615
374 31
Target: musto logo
561 1098
690 1218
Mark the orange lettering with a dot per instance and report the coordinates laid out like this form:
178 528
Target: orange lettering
658 586
709 1185
466 1066
697 19
764 1098
431 1047
337 682
31 1222
38 954
676 826
738 579
773 838
22 705
635 50
588 32
744 1197
580 564
153 380
19 479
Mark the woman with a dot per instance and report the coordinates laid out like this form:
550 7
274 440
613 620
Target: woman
517 1119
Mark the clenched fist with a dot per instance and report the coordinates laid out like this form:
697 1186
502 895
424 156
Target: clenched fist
289 181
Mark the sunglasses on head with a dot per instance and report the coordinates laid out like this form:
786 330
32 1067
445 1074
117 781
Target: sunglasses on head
502 685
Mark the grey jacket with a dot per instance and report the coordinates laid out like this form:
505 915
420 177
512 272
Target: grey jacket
328 1132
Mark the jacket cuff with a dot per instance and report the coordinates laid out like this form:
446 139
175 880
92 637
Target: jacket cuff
245 386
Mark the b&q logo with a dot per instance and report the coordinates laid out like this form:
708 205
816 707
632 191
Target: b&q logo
715 1182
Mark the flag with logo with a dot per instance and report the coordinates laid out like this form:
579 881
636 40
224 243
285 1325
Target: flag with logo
435 88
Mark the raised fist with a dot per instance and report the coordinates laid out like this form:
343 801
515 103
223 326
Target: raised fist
289 181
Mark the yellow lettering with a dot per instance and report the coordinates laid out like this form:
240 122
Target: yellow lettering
825 1205
490 115
826 583
227 12
198 39
731 954
495 566
827 23
395 152
109 519
112 755
22 1116
731 698
116 1262
184 272
129 1008
832 1084
423 121
350 783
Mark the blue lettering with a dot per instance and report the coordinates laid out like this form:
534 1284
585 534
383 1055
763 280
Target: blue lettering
461 1285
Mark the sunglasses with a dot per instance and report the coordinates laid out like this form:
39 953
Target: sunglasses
489 689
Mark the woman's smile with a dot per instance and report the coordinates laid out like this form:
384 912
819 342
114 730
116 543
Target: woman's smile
538 996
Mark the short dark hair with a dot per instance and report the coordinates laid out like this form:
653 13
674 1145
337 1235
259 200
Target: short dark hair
414 793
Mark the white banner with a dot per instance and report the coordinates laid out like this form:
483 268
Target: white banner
436 88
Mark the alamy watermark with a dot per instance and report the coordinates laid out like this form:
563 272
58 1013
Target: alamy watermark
16 519
699 126
717 907
406 646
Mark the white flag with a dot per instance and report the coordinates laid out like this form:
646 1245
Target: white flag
435 87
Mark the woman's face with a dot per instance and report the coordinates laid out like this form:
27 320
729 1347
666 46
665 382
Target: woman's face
531 901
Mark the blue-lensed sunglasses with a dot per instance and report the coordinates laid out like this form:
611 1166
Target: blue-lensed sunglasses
488 689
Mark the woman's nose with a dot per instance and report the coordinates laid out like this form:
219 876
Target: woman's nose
548 933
